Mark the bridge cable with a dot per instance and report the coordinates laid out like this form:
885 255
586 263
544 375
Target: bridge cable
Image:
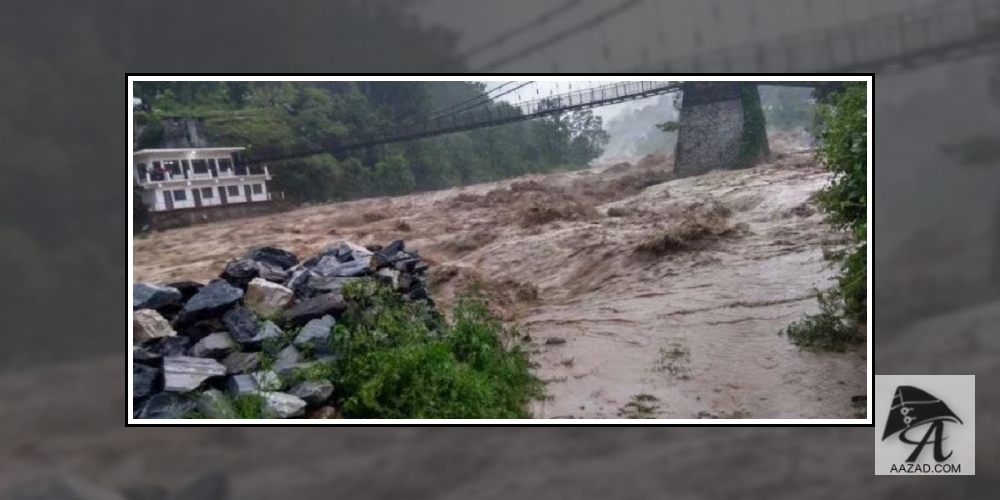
502 39
481 96
467 108
581 27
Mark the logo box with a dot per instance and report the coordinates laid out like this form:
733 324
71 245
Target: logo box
925 425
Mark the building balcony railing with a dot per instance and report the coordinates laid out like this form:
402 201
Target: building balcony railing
251 173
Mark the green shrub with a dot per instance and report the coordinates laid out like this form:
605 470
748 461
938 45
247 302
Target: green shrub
843 150
398 359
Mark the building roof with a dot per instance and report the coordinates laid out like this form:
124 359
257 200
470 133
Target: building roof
186 150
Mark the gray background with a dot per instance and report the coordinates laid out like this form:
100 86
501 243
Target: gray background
935 223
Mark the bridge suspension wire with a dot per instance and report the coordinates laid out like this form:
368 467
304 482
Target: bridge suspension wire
506 36
560 36
467 108
483 96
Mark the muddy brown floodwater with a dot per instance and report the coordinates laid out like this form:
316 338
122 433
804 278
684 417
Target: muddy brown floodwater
641 297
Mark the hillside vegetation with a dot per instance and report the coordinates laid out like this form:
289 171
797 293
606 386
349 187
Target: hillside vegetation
272 118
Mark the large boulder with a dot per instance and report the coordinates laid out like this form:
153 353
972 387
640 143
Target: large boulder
281 405
216 345
315 336
147 324
147 296
274 256
146 380
185 374
316 307
212 300
266 298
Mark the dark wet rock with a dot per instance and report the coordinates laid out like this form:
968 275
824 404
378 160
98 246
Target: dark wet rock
147 296
315 336
146 380
242 324
142 354
241 362
167 405
313 392
421 267
387 256
272 273
283 259
188 289
555 341
201 329
406 265
168 346
216 297
297 278
216 345
393 248
316 307
239 273
418 292
185 373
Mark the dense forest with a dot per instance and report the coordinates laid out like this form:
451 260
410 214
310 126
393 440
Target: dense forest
275 118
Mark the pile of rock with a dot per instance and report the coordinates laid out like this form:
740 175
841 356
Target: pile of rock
196 347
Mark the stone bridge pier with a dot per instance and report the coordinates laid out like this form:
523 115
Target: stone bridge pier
721 126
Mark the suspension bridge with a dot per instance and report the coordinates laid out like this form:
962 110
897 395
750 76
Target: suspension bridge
924 34
489 113
693 36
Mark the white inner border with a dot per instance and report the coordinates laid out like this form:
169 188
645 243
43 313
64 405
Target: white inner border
551 422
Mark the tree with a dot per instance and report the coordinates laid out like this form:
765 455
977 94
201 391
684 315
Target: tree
394 177
589 137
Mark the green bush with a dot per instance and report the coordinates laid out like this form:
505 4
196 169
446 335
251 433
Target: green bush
399 359
843 150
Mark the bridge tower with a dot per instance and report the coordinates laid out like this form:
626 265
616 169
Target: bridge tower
721 126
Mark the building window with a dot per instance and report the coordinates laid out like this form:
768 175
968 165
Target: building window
258 189
225 164
180 195
173 167
234 190
199 166
207 193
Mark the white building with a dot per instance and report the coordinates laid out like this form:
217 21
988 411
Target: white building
189 178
